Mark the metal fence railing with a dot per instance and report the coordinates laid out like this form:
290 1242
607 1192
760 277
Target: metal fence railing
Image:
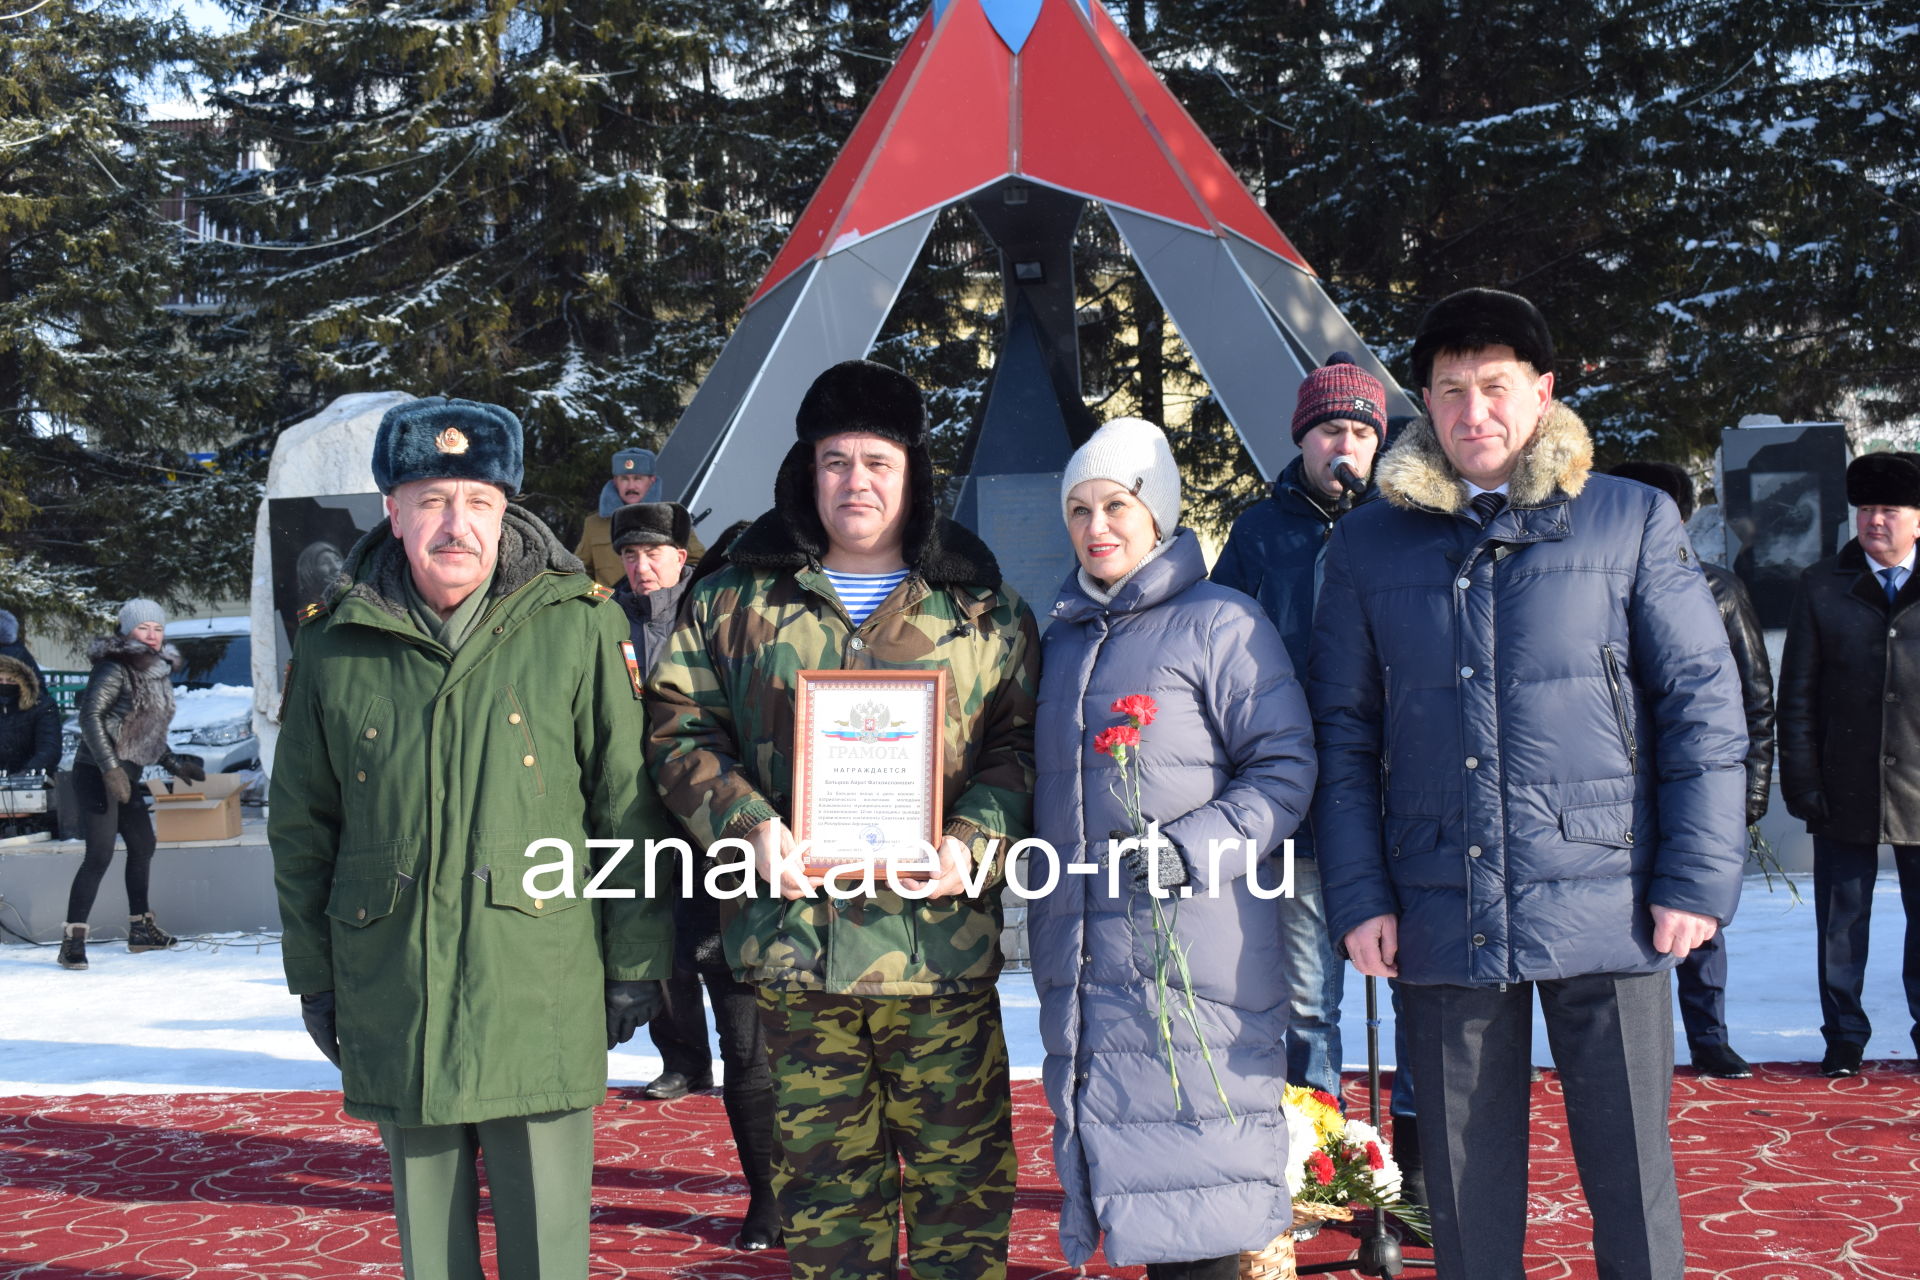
64 687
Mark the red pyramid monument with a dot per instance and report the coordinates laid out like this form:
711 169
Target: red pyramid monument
1005 105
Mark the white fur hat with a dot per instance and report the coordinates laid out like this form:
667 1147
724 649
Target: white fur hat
1133 453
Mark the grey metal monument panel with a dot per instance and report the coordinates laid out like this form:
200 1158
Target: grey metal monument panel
703 424
1019 517
1304 309
1251 367
843 301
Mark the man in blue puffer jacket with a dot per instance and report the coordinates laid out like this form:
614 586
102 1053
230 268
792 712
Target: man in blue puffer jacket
1532 776
1276 554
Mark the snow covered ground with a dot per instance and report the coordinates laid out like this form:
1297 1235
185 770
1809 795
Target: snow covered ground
215 1015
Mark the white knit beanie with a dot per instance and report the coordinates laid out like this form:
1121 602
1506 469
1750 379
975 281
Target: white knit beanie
1133 453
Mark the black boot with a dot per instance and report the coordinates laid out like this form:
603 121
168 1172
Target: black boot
144 935
1406 1154
750 1116
73 946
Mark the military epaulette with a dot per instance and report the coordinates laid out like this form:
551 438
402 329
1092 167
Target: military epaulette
312 611
601 591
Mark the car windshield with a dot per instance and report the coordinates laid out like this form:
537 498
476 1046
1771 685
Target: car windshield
213 660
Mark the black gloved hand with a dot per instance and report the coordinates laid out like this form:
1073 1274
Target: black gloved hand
1168 870
629 1006
185 770
1756 808
1808 806
316 1011
119 789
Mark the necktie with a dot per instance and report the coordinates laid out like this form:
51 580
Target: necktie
1488 505
1886 576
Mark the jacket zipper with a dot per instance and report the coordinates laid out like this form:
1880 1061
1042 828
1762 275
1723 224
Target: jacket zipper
1386 728
1620 709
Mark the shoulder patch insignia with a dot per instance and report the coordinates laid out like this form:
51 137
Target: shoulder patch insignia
633 668
601 591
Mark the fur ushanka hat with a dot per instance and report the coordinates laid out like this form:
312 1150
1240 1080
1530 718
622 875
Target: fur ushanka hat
435 438
863 396
1884 480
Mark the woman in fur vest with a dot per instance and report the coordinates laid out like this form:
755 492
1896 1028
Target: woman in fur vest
124 713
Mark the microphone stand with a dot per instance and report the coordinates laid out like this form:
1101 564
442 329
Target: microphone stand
1379 1253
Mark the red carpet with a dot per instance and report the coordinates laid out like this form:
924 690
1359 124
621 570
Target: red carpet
1783 1177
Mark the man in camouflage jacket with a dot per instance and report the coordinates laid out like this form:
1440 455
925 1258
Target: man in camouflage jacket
880 1011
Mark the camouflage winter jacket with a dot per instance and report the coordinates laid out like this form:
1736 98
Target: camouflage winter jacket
721 716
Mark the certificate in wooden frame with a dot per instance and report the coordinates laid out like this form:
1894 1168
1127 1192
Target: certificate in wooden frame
867 767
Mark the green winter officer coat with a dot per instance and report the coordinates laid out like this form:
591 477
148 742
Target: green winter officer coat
721 715
407 786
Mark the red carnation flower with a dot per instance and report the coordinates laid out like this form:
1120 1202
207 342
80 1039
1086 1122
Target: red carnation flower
1322 1168
1374 1159
1120 735
1325 1099
1137 707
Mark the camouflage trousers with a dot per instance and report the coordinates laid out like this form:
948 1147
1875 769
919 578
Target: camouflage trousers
891 1104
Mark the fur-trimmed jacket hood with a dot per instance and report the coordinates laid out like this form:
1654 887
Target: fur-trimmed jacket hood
24 676
1416 474
29 726
376 567
128 702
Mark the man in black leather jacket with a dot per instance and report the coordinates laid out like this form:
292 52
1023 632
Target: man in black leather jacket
1703 974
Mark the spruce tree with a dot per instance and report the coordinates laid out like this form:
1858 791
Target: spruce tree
511 202
101 384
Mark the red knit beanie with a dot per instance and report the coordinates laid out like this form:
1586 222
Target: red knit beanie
1340 389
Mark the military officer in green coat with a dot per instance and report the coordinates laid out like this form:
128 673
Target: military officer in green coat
889 1066
460 695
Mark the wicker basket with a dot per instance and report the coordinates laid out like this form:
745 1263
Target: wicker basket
1276 1262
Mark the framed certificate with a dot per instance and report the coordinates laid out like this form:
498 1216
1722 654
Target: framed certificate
867 767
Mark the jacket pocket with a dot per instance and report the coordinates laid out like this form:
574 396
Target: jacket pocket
1616 687
372 739
1609 823
516 714
1409 837
360 901
506 887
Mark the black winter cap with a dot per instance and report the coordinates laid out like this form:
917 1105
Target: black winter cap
1884 480
1474 319
651 523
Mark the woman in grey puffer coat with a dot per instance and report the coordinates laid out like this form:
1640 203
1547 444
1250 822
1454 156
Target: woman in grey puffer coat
1178 1185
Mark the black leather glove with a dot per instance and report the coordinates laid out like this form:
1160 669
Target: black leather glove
1808 806
316 1011
119 789
1170 866
185 770
630 1005
1756 808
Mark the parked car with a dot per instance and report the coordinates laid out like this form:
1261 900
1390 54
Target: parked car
212 697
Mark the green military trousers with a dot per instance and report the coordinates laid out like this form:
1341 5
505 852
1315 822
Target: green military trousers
891 1104
539 1174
